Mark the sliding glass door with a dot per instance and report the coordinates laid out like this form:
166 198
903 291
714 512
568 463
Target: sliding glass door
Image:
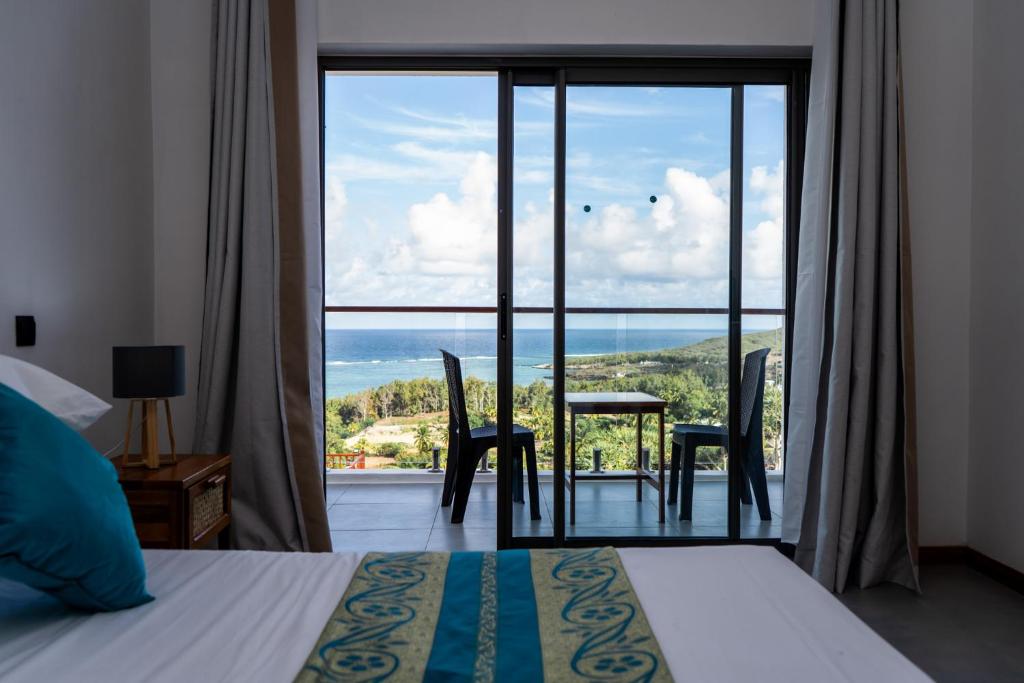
642 297
532 321
607 246
648 172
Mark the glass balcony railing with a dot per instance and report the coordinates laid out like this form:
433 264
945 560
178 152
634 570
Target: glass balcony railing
387 401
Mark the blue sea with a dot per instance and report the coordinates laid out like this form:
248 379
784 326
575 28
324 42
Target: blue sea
362 359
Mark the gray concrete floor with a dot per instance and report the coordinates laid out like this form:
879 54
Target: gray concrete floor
409 516
963 627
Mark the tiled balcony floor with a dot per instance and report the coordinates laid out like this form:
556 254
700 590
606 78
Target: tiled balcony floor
381 516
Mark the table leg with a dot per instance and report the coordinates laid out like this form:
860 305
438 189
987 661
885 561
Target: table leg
661 467
639 457
572 468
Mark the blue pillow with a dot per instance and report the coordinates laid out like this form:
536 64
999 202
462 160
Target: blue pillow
65 527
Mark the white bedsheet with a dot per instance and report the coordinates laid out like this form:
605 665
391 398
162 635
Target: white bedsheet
746 613
720 614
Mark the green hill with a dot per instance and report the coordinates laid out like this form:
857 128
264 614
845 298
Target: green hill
708 358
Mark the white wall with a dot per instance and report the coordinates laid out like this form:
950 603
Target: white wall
936 41
76 239
180 41
360 25
996 492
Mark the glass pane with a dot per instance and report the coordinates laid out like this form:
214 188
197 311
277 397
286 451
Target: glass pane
647 196
532 286
647 225
681 359
765 332
410 189
764 173
764 154
410 194
387 402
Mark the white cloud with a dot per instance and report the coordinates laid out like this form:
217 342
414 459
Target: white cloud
533 253
450 162
762 246
432 164
533 177
650 257
533 169
673 252
602 185
596 106
446 254
486 128
335 200
424 126
351 168
458 236
335 204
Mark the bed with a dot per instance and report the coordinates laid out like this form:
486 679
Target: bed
727 613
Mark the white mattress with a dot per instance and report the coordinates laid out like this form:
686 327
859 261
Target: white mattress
736 613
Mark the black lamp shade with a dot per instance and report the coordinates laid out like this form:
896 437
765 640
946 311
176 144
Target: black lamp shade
149 371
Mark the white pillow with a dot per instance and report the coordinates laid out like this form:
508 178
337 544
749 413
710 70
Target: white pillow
75 407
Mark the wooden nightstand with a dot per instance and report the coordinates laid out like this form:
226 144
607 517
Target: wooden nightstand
182 506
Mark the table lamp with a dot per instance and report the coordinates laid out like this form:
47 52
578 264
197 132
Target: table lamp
148 375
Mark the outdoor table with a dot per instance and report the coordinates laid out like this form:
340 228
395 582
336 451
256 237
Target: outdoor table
618 403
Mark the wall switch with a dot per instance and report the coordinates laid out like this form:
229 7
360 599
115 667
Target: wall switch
24 330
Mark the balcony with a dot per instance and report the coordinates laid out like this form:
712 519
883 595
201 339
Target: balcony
387 419
373 514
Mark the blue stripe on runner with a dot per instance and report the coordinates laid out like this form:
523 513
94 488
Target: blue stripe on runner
453 653
519 655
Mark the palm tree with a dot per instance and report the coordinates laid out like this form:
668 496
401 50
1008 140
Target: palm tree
423 439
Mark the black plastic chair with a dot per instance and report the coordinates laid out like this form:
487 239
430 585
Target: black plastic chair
466 446
686 439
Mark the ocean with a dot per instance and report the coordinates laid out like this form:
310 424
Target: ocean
362 359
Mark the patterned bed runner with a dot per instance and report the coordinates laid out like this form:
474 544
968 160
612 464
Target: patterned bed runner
512 615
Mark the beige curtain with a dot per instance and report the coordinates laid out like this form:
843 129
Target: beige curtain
259 390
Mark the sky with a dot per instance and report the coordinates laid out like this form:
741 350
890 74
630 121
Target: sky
411 199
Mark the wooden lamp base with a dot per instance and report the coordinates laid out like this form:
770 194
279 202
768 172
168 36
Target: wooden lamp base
149 455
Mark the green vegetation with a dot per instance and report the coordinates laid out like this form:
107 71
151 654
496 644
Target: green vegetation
693 379
389 449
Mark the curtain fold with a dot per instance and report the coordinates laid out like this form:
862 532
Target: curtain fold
850 454
256 399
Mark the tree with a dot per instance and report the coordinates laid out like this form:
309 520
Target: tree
335 432
364 403
772 422
423 439
384 396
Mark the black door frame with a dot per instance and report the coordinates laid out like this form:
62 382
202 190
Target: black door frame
511 71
